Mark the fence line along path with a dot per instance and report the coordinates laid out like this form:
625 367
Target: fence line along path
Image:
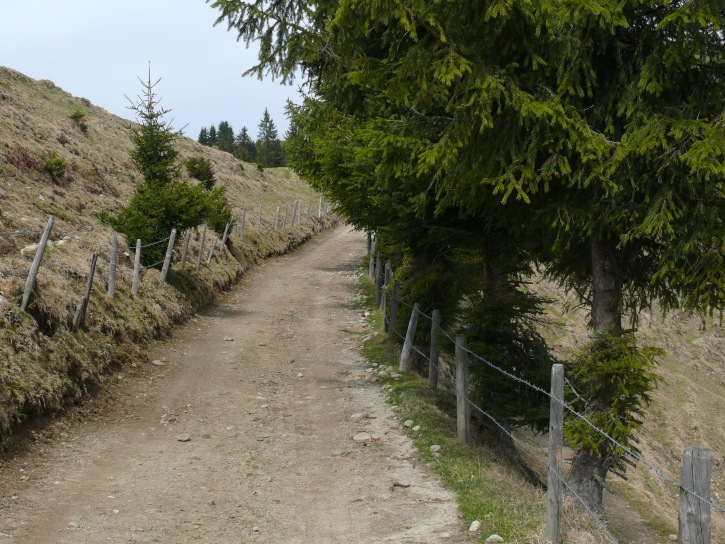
243 431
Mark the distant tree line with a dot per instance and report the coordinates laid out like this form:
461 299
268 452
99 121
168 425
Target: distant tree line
267 151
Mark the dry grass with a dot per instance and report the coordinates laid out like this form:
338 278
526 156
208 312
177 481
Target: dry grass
44 366
687 408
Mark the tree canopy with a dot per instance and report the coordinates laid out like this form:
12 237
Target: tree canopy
480 139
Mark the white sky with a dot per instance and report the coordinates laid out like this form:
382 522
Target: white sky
97 49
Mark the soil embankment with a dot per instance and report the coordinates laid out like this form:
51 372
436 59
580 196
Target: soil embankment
240 432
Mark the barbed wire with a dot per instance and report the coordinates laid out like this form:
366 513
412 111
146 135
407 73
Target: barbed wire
661 473
444 376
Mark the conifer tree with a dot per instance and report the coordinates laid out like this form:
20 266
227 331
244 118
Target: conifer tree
203 136
225 137
244 147
269 147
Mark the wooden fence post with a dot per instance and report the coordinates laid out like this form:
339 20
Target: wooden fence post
259 222
169 253
112 267
299 213
379 274
434 355
201 246
224 237
463 412
406 355
80 314
276 220
136 268
30 281
211 250
394 305
294 214
309 207
556 443
244 217
371 264
185 251
694 523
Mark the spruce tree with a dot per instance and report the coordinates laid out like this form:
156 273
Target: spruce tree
213 136
203 136
244 147
162 201
269 147
225 138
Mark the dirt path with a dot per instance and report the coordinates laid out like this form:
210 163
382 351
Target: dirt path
269 388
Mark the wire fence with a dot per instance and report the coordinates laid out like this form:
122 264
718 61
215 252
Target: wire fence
512 434
108 252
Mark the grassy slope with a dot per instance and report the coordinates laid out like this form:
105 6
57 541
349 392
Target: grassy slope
43 366
687 410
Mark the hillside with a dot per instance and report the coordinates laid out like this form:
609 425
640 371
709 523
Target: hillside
687 408
43 365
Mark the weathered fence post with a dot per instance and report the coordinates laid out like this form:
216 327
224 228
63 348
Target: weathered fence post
224 237
276 220
379 275
371 264
169 253
406 355
201 245
286 211
694 523
112 267
294 214
299 213
136 268
309 207
244 217
80 314
435 324
30 281
319 211
556 443
259 222
211 251
394 305
185 251
463 412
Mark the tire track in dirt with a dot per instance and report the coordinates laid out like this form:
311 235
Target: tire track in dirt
264 385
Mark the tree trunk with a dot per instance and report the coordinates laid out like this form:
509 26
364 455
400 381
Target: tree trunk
589 469
606 287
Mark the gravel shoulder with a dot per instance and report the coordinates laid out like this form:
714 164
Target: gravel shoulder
240 432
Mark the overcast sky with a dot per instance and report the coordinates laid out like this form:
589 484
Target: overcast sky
97 49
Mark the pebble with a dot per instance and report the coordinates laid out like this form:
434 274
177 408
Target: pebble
183 438
408 423
416 428
475 526
156 362
494 538
300 375
383 374
435 448
673 537
362 437
395 375
357 417
229 339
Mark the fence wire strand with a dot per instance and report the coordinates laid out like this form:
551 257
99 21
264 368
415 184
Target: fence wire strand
664 476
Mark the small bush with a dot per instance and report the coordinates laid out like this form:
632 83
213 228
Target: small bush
55 167
77 117
201 169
